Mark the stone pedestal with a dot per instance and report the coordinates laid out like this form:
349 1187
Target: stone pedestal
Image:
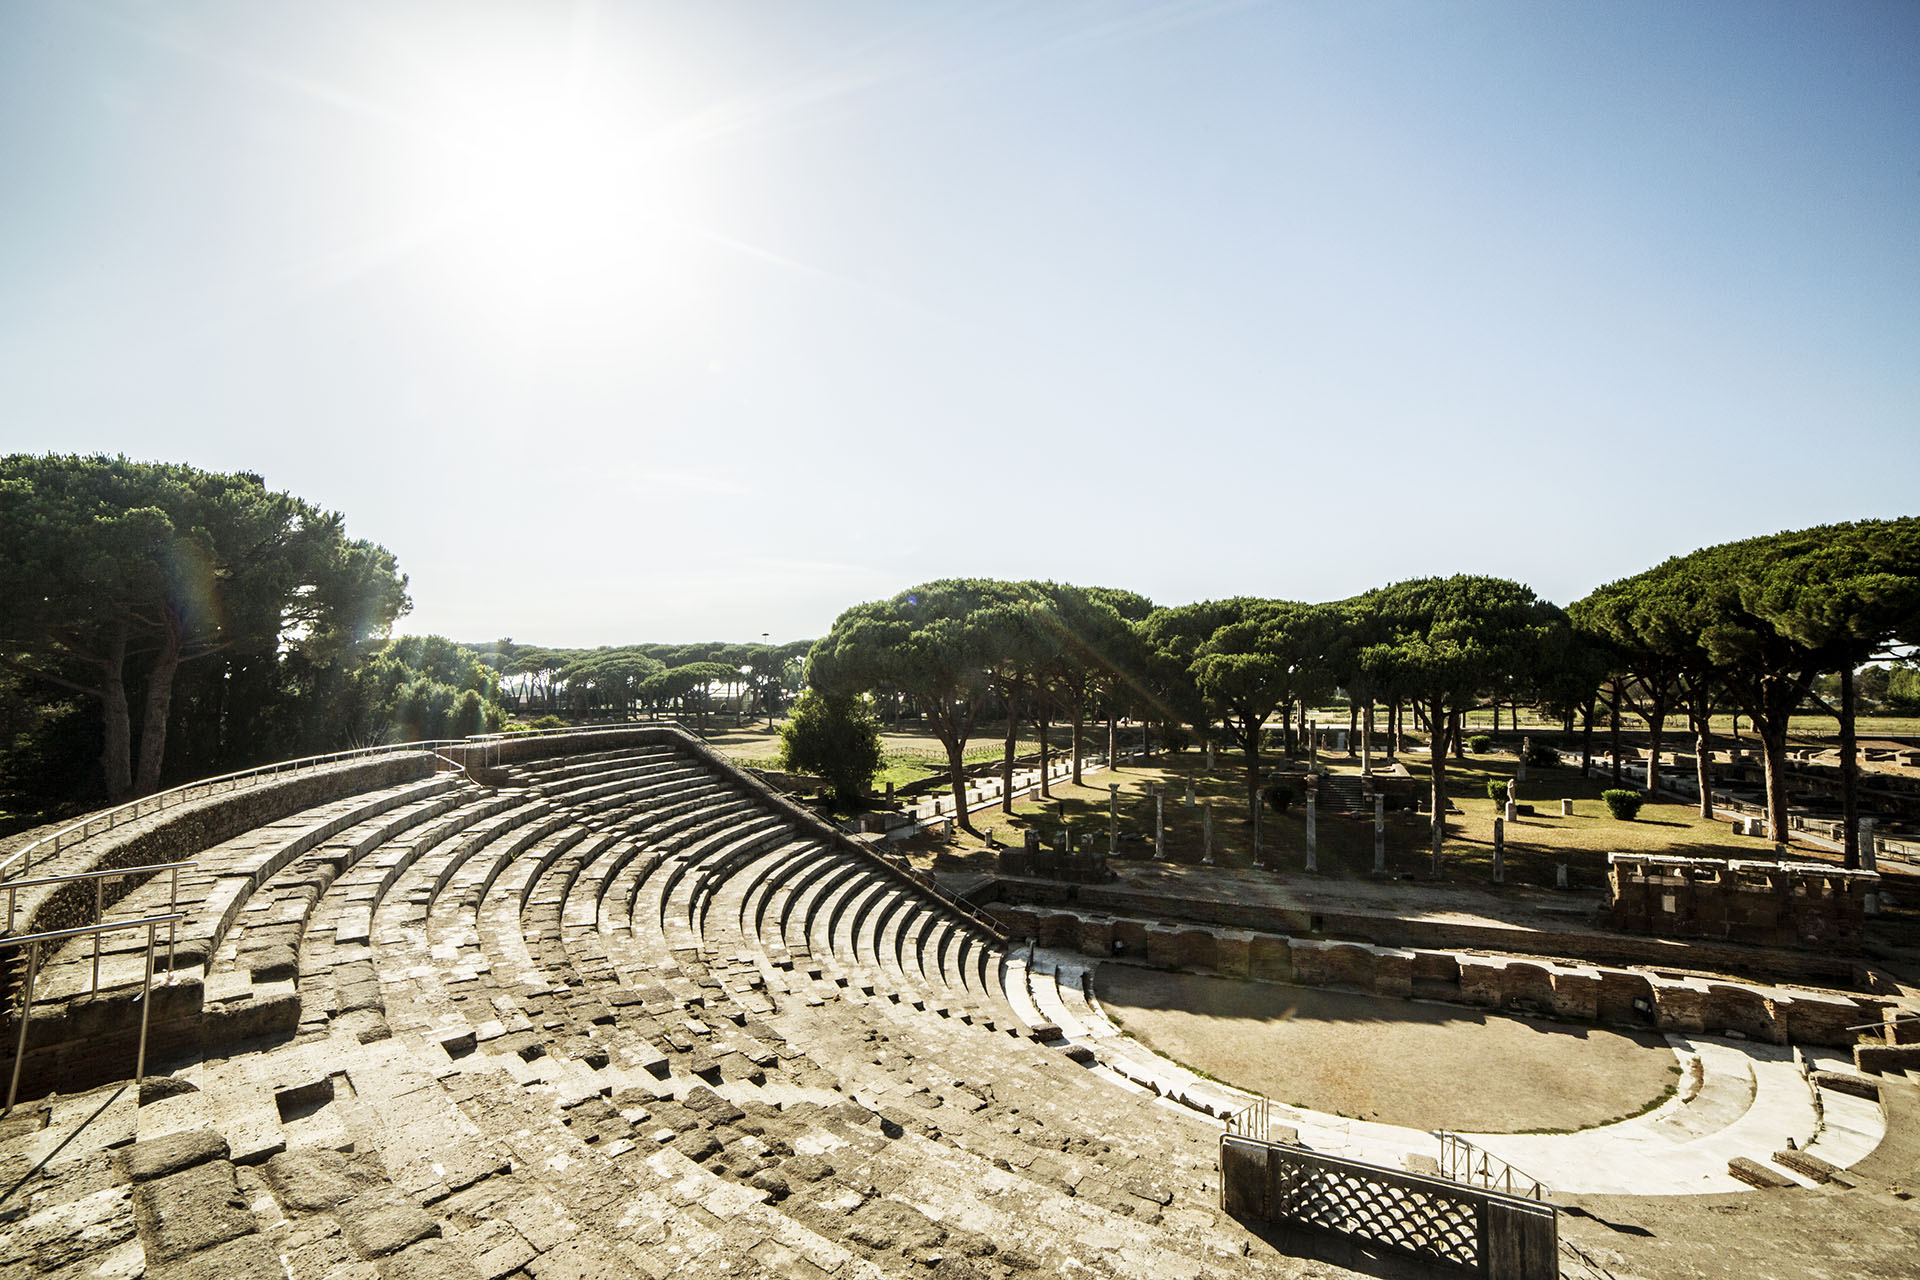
1500 849
1313 840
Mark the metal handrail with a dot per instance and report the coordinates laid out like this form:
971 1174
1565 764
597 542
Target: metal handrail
91 825
1905 1015
1252 1121
1462 1161
99 879
32 941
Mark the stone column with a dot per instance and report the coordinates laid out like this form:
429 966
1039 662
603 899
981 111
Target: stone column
1379 835
1159 822
1209 757
1189 793
1206 833
1512 809
1313 840
1113 818
1499 851
1869 856
1520 773
1313 744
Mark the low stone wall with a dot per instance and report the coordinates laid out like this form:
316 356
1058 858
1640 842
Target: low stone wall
1397 931
1560 989
1769 904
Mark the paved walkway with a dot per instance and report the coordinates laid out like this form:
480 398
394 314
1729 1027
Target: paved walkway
1752 1100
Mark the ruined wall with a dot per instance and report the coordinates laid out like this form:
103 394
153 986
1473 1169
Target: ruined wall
1769 904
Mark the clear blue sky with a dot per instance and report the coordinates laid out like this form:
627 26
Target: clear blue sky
631 322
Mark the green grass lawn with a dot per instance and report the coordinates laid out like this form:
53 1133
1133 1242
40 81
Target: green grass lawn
1534 845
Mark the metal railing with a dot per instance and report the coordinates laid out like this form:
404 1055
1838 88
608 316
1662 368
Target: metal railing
32 941
1461 1161
99 879
1252 1121
22 859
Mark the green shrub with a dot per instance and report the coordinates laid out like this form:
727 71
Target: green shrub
1542 756
1497 790
1279 797
836 738
1622 803
1480 743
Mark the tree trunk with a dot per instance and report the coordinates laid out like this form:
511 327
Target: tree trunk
1006 760
1396 726
1079 722
153 726
1040 720
957 778
1701 713
1113 737
1353 726
1456 735
1656 716
116 752
1586 736
1250 747
1849 770
1437 764
1496 713
1613 727
1773 741
1366 741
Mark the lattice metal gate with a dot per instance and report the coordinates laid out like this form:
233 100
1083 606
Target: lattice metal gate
1500 1236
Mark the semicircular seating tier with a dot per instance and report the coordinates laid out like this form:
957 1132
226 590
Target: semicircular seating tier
626 1012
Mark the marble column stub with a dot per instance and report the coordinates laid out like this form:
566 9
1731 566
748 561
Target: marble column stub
1313 842
1379 835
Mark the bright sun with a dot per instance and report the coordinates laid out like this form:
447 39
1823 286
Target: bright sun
541 192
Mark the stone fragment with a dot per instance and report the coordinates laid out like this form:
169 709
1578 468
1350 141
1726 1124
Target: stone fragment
246 1257
428 1260
193 1209
158 1157
307 1181
67 1232
378 1223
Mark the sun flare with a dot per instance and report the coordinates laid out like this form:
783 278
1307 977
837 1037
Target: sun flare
545 190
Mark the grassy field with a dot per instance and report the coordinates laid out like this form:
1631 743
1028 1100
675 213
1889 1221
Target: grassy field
909 755
1535 845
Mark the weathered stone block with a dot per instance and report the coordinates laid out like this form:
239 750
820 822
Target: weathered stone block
1198 949
173 1152
1576 993
1233 954
1679 1006
1163 945
1393 973
1270 959
1483 981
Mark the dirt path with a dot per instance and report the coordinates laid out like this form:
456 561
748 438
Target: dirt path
1429 1066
